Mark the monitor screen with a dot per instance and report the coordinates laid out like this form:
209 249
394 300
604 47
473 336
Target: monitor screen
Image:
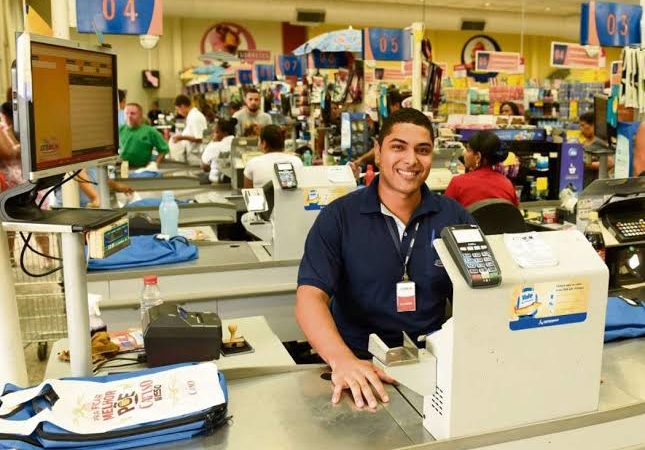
601 126
67 102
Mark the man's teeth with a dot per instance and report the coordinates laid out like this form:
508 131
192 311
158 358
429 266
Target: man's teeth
407 173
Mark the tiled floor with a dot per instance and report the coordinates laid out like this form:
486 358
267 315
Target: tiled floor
35 368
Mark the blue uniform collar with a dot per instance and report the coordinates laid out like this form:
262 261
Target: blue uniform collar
370 203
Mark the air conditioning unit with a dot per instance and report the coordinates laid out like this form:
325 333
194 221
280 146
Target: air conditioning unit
475 25
309 17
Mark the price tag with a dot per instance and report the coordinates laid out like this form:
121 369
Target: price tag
386 44
610 24
119 16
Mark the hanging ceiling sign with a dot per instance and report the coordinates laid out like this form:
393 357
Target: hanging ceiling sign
479 43
244 76
291 66
119 16
386 44
575 56
501 62
328 60
265 72
610 24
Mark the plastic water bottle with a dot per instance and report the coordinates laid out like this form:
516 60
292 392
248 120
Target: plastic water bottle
593 233
169 214
369 175
307 158
151 295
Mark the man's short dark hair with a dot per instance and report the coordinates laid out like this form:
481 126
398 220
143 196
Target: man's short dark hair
273 136
122 93
587 118
251 91
405 115
182 100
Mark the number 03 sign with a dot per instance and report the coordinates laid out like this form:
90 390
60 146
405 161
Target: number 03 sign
610 24
119 16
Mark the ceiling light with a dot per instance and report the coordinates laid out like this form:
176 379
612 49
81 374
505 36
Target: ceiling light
547 9
487 4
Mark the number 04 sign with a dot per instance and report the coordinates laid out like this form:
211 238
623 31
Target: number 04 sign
119 16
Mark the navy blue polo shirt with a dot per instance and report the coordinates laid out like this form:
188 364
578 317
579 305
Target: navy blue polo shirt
350 255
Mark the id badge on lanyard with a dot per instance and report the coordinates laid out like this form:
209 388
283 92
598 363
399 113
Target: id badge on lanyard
406 297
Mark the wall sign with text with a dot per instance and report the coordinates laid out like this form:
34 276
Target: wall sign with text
119 16
386 44
575 56
610 24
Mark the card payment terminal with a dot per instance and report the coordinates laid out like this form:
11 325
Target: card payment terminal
472 254
286 175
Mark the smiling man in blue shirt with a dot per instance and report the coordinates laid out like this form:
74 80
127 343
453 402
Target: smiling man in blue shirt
361 250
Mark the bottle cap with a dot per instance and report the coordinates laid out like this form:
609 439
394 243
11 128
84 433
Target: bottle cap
370 167
168 195
593 215
149 279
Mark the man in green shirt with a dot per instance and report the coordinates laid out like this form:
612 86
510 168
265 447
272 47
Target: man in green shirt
137 140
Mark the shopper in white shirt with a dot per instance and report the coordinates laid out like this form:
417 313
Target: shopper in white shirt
250 119
259 170
222 139
193 132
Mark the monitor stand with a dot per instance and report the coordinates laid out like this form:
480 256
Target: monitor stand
19 205
19 212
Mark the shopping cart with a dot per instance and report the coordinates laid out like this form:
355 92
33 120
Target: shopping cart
41 300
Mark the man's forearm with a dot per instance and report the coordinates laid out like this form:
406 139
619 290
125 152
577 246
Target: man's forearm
160 158
317 323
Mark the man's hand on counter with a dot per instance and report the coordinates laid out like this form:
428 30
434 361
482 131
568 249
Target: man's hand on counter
362 378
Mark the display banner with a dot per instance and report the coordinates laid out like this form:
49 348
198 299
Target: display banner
575 56
291 66
265 72
572 166
610 24
501 62
386 44
328 60
119 16
244 76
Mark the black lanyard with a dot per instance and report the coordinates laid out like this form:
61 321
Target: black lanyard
397 243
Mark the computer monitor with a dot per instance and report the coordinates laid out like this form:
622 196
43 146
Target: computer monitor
602 129
66 96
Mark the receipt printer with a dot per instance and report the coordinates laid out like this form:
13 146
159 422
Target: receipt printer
173 335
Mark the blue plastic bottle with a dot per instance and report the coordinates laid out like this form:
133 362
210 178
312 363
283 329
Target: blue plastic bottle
169 214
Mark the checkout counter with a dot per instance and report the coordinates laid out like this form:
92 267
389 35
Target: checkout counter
238 278
492 377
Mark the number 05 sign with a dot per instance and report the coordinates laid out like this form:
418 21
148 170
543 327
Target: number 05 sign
610 24
119 16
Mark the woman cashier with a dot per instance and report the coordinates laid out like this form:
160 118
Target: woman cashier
481 182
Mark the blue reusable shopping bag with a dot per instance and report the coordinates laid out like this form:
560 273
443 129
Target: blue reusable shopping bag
145 174
153 202
48 435
147 251
623 320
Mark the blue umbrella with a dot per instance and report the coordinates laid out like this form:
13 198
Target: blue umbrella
348 40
